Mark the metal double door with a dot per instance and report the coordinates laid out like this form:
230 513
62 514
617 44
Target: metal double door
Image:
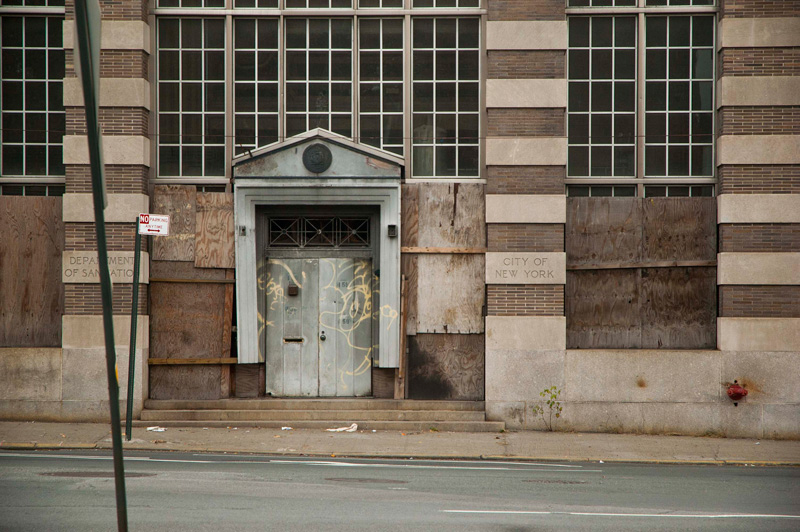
319 316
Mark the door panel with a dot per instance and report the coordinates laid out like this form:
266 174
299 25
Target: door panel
319 342
346 317
292 321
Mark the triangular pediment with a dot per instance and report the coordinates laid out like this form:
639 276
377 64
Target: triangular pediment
317 154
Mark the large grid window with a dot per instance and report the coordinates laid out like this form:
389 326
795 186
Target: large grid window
191 97
602 96
409 85
319 74
679 96
255 83
446 99
31 95
381 83
641 105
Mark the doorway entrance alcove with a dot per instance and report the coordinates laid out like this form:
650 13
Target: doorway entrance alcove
317 223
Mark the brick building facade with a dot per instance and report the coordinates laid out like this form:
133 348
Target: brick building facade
588 194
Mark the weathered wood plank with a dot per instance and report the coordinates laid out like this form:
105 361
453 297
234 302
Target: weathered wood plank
247 380
451 215
227 332
179 202
383 383
450 294
603 230
653 264
409 220
602 309
190 361
445 251
680 310
184 382
31 292
400 372
184 272
186 320
409 268
679 229
446 366
214 231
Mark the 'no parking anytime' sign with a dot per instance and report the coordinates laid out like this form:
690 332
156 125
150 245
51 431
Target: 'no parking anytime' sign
154 224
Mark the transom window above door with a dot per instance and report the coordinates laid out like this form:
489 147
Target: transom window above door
326 232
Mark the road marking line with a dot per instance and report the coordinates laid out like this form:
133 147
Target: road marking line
605 514
303 462
415 466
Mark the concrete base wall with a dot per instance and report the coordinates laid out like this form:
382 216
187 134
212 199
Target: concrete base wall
648 391
54 384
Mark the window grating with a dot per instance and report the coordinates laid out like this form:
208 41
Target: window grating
325 232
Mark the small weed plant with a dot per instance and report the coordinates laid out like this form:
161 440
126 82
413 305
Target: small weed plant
552 413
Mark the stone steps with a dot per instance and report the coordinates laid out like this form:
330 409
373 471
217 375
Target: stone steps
311 404
311 415
403 426
368 414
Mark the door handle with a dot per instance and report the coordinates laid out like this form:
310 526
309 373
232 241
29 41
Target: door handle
322 336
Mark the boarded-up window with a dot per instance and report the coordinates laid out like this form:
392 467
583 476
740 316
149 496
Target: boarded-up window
641 273
31 292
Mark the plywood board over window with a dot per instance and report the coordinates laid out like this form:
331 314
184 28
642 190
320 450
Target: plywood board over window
31 292
179 202
446 289
214 246
641 273
191 297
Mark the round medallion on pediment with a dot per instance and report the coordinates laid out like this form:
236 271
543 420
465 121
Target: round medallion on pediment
317 158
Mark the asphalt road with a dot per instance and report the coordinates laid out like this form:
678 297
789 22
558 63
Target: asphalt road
74 491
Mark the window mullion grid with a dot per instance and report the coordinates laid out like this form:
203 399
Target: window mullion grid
230 93
640 100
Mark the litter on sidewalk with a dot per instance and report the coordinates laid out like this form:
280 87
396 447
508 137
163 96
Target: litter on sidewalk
156 429
351 428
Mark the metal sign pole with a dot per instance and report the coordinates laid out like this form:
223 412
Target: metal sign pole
134 319
87 22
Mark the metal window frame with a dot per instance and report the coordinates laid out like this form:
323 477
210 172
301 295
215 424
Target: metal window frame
203 113
456 112
641 11
613 113
256 82
46 12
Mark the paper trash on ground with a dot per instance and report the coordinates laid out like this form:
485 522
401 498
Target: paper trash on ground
351 428
156 429
286 428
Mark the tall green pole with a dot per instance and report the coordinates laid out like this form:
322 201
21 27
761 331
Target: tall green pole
87 20
134 319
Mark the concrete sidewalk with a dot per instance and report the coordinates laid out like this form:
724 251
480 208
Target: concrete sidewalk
525 445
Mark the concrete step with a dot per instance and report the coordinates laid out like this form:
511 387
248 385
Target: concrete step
402 426
327 403
290 416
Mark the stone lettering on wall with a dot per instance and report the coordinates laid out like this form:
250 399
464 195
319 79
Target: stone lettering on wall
526 268
84 267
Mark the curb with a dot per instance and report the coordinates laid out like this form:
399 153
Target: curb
29 446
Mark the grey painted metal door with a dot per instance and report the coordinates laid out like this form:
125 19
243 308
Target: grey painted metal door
319 341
